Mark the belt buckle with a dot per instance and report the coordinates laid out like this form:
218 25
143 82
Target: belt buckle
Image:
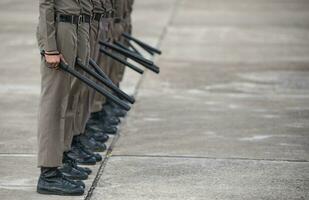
80 19
98 17
111 13
103 15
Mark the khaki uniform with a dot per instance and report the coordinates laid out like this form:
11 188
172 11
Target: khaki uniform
94 29
79 90
128 17
117 69
127 26
104 61
89 95
55 84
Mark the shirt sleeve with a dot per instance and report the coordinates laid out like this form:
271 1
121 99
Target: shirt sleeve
47 25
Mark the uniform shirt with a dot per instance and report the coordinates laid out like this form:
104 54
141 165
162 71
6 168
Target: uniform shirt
130 6
86 7
98 7
108 5
48 10
119 7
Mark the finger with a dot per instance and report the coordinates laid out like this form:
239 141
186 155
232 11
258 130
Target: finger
51 66
56 67
62 59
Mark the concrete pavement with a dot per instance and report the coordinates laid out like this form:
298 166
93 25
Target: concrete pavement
227 118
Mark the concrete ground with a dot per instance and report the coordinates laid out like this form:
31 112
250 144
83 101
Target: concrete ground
227 118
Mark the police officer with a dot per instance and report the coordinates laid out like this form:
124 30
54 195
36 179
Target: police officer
90 140
119 24
127 24
103 61
76 126
117 69
128 18
100 118
57 37
86 141
120 12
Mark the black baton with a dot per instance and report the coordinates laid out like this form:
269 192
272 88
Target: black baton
126 53
134 49
132 56
122 61
63 66
142 44
106 82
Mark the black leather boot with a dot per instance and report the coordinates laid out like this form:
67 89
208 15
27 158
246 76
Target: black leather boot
102 117
89 152
111 120
108 129
101 127
81 157
111 109
73 163
76 144
97 135
71 172
91 143
53 182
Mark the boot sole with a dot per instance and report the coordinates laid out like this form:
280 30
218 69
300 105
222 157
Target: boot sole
111 133
47 192
102 141
88 164
99 160
77 178
99 150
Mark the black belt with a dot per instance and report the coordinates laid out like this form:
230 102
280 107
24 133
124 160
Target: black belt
117 20
97 16
73 19
85 18
109 14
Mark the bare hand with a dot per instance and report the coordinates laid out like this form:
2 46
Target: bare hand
53 60
62 59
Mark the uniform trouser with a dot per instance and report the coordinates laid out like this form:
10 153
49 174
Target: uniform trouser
117 69
127 28
81 119
119 74
88 95
103 60
74 124
53 106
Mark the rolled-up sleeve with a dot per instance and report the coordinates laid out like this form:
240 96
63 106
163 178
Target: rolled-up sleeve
47 25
